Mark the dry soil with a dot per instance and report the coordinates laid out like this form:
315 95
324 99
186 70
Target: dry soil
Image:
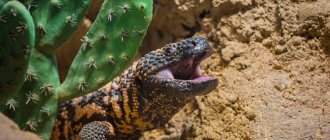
272 58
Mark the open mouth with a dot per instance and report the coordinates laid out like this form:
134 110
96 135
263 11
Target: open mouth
188 70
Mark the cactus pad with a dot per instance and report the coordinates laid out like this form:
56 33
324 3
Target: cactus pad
108 47
56 21
16 41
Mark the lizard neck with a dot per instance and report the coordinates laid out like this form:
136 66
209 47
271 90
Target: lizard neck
128 105
160 111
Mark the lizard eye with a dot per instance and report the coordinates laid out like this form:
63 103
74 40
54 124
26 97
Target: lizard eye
169 50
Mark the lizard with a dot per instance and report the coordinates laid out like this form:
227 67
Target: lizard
144 97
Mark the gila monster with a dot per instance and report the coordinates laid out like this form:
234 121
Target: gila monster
144 97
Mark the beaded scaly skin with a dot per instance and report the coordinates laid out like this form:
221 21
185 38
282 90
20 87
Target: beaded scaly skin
144 97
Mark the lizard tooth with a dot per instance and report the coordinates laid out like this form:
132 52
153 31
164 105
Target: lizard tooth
198 71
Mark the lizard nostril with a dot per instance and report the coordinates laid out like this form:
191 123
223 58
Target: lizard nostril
194 43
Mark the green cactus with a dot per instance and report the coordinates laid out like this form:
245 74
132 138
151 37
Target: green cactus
56 21
108 47
16 42
37 101
102 51
2 2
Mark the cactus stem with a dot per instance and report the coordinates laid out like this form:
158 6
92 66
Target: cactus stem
30 76
92 64
47 90
18 69
32 125
12 104
110 60
45 110
72 20
32 97
1 61
13 36
111 15
10 83
123 34
14 54
125 8
82 86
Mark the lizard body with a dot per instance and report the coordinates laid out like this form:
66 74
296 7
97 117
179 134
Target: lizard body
144 97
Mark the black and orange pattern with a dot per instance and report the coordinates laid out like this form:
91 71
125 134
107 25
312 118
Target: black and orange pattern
139 99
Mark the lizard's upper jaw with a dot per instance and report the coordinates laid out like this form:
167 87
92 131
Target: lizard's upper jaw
189 73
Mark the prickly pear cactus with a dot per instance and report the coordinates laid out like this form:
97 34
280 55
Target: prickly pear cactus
102 51
108 47
16 41
56 21
2 2
37 102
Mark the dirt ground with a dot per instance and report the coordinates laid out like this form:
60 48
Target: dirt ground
273 62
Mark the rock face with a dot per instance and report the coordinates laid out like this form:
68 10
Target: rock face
10 131
273 62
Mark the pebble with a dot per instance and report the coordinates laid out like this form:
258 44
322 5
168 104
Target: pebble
280 49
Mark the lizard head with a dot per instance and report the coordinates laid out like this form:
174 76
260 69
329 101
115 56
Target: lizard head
174 70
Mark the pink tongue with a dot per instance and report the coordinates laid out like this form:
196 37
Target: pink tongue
165 74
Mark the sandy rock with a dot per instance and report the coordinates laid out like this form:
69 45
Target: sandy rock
273 64
314 18
11 131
